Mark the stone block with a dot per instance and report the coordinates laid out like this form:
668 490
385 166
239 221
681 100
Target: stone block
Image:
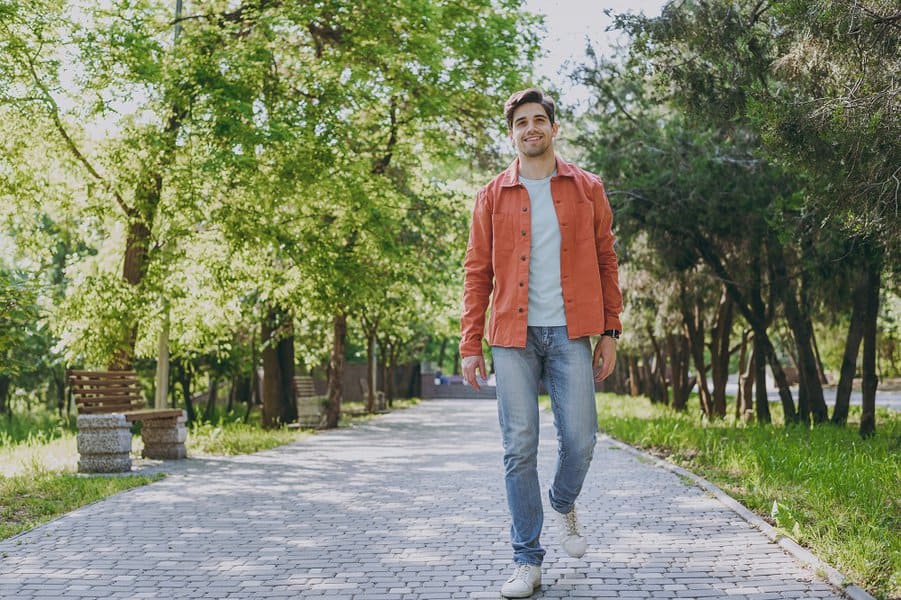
104 443
165 451
104 421
104 463
164 439
167 435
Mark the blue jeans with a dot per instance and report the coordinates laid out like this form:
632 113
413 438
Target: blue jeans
565 368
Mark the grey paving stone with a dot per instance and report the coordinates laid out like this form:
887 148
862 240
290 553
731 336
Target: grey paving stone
408 506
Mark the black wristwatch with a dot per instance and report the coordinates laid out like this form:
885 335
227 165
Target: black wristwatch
614 333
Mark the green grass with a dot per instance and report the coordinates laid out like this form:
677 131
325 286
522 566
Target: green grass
836 494
42 425
228 438
29 500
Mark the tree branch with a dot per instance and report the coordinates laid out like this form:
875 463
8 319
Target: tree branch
70 143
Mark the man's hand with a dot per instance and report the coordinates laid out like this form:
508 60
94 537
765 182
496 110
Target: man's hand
604 358
470 365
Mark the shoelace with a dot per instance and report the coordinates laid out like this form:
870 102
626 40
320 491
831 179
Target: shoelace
572 526
522 572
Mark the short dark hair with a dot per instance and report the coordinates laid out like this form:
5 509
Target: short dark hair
525 97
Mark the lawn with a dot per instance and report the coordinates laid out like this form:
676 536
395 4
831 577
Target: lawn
838 495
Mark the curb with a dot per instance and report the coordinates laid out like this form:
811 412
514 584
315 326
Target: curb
790 546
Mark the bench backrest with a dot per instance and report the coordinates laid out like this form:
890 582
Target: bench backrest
102 392
303 386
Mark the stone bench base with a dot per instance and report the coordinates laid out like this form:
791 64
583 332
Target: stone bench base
165 438
104 443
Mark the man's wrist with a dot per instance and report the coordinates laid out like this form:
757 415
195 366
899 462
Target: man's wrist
614 333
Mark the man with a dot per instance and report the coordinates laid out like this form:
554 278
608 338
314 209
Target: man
541 249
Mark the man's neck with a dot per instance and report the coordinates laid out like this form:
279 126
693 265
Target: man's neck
537 167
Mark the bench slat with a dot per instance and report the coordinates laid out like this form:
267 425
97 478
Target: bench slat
90 394
104 387
103 410
150 414
102 374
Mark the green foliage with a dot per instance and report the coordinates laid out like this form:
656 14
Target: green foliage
814 79
256 172
231 436
837 493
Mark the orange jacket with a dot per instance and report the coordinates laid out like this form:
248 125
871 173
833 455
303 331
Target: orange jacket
497 259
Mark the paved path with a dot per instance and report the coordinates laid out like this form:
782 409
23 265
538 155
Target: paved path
407 506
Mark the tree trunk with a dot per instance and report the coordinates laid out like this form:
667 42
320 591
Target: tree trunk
811 401
634 382
58 374
370 371
183 374
677 350
755 314
821 372
870 380
336 370
442 352
761 402
693 322
212 398
5 406
277 336
744 406
391 388
658 386
287 409
859 298
719 353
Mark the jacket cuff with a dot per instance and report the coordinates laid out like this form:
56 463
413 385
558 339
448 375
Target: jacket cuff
471 349
613 322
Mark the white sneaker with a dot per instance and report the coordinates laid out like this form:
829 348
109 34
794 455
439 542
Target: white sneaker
573 542
523 582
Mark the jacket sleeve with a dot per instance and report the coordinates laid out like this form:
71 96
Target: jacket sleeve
478 279
607 263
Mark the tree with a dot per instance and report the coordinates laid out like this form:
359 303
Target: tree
815 80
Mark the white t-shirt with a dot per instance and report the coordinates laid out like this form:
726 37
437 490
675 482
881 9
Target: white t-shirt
545 292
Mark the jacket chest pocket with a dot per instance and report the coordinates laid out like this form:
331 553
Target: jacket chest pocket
502 225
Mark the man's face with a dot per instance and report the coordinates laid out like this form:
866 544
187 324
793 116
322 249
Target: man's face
532 133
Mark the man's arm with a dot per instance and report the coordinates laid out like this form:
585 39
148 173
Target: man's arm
607 262
478 280
605 350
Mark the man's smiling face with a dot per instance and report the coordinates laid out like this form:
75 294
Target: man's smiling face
533 133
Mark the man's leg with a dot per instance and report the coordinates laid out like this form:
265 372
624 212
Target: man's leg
517 371
569 377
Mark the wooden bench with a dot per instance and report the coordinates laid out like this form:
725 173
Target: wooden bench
309 404
104 393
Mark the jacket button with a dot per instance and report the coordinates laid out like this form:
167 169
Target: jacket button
525 208
523 231
520 310
520 284
522 257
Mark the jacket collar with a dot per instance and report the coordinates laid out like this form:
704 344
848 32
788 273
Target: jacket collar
510 176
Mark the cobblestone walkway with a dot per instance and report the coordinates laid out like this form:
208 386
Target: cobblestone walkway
407 506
